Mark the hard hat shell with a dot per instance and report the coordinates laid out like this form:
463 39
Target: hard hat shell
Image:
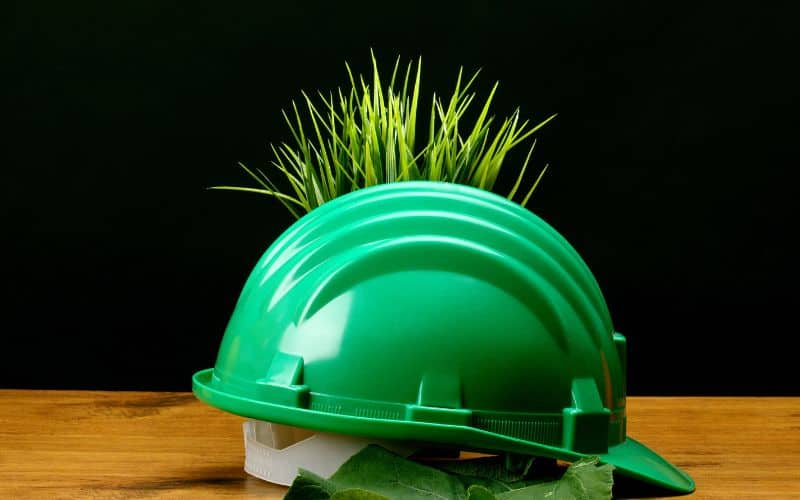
432 312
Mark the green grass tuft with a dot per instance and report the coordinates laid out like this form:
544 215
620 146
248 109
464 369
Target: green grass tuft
368 136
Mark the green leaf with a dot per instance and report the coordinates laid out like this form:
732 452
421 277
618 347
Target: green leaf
507 468
376 474
309 486
384 472
357 494
477 492
501 473
583 480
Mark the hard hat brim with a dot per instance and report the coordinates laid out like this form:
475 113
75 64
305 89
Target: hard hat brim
633 459
630 457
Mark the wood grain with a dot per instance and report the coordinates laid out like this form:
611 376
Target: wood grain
69 444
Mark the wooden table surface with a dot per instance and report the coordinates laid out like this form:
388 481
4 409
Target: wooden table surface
70 444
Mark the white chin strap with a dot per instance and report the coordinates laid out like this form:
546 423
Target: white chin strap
275 452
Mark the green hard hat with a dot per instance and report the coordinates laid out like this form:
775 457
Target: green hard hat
438 313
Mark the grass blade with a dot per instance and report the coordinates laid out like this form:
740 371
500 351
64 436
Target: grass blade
367 135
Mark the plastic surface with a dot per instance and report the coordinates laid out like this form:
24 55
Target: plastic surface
434 312
274 452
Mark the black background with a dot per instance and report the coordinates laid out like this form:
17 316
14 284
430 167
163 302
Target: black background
671 169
